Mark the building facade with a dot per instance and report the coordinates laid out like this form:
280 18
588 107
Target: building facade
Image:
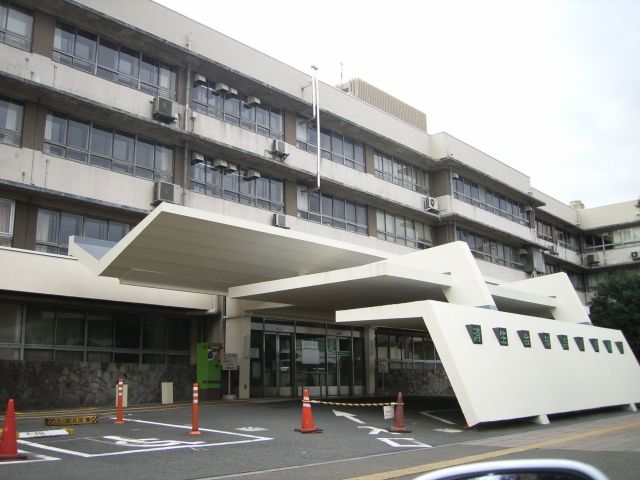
105 113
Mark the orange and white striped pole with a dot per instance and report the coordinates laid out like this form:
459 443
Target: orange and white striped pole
119 419
194 413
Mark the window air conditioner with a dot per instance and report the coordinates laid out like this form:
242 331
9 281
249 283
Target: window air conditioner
199 79
251 100
251 174
196 158
279 149
164 110
165 192
280 220
592 259
430 204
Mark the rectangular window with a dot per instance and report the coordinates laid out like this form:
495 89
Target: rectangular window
335 212
404 231
84 141
481 196
392 170
491 250
264 192
236 110
99 56
54 228
334 146
7 213
10 122
16 26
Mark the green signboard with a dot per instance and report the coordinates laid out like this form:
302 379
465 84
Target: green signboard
607 345
545 338
501 335
579 343
475 332
525 338
564 341
620 347
595 344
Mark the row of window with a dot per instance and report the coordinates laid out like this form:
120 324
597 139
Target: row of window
490 250
566 239
393 170
54 229
333 146
264 192
237 110
620 238
335 212
482 197
86 142
74 335
406 351
403 231
94 54
16 26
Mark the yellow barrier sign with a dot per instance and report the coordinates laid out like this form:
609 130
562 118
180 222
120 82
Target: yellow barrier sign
62 421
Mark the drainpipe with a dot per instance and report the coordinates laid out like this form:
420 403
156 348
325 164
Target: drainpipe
316 116
185 180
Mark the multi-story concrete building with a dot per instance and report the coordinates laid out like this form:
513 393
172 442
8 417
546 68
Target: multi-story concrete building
109 108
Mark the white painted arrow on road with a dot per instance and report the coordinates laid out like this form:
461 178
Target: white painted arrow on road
350 416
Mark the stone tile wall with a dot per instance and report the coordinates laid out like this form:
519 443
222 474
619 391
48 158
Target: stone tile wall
83 384
414 382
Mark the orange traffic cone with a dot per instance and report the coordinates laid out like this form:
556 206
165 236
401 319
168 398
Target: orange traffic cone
9 441
398 417
306 424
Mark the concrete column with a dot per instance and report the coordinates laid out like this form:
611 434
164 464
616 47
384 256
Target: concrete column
370 359
237 340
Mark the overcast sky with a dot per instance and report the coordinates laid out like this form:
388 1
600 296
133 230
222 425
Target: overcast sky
549 87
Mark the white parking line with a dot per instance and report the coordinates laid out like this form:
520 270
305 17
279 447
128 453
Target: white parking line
29 459
427 414
171 445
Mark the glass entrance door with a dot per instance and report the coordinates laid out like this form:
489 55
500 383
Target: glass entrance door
277 364
345 366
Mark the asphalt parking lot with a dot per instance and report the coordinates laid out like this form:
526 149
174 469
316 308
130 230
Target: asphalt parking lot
257 439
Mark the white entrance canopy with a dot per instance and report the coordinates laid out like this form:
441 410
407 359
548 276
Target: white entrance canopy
182 248
441 289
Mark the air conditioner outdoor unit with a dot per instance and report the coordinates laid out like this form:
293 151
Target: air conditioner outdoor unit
164 110
199 79
635 255
430 204
220 87
220 164
196 158
592 259
232 91
523 251
280 220
279 149
251 174
165 192
231 167
251 100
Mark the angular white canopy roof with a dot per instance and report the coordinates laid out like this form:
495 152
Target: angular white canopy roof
182 248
